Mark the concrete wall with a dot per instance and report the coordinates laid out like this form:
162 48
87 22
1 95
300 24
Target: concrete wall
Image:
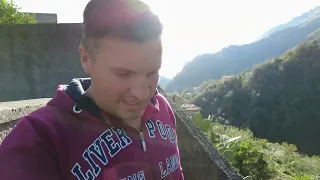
11 111
200 160
35 58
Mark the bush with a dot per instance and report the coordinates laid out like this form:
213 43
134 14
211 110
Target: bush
303 177
258 158
250 162
203 124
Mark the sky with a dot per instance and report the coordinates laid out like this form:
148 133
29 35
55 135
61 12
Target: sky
194 27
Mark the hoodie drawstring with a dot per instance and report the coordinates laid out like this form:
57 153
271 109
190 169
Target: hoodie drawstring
75 109
85 102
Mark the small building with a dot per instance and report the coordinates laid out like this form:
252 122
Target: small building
44 18
189 109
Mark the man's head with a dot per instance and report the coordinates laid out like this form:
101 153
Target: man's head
121 51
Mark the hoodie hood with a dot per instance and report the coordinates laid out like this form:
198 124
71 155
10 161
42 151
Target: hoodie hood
73 98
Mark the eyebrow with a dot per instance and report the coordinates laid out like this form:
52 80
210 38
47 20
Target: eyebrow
123 69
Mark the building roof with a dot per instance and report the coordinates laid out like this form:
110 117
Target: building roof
189 107
44 17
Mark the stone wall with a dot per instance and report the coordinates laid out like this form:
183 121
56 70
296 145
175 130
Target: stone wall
35 58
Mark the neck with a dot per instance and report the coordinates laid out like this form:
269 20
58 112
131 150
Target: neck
134 123
88 93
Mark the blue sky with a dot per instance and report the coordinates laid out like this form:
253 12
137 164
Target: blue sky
193 27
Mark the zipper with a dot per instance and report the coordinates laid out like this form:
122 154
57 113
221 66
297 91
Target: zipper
143 142
144 148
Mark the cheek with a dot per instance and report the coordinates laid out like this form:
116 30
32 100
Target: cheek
111 94
114 89
107 86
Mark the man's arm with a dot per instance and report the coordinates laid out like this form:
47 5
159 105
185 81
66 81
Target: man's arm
24 154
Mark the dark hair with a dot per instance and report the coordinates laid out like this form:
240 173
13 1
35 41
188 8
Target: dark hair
128 19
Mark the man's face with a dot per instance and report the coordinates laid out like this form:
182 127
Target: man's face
124 75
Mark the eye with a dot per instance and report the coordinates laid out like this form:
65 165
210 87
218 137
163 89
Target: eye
123 74
153 73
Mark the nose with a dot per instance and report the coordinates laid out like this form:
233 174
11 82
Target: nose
140 90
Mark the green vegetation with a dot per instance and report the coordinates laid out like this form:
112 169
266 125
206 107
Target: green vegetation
9 14
278 100
179 101
264 121
258 159
236 59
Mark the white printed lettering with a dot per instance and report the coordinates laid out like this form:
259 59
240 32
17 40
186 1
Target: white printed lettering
151 128
112 146
162 130
169 166
98 151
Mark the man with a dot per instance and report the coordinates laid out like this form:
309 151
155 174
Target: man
111 126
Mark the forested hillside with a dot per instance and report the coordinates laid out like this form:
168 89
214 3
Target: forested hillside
235 59
278 100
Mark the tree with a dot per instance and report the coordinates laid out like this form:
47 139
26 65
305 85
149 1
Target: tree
9 14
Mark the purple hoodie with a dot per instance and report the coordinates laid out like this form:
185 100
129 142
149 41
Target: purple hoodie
61 141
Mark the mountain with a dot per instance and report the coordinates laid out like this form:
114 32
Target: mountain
297 21
278 100
164 81
235 59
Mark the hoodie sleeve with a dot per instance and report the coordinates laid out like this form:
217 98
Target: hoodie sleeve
24 154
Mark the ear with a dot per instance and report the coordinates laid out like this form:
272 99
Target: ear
84 59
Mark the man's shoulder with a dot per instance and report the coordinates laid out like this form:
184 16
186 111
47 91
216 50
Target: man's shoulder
165 107
162 100
43 114
46 119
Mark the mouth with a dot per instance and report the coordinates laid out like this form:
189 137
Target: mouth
132 106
